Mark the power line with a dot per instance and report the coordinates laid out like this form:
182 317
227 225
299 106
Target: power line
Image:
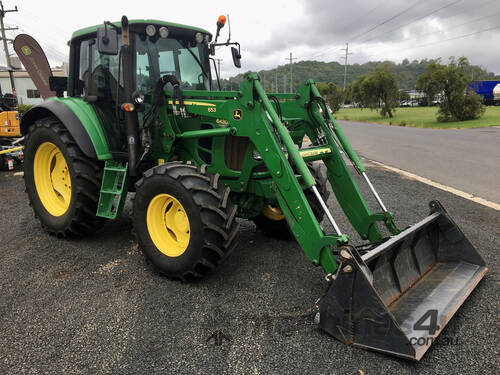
388 20
46 47
411 22
415 20
452 27
454 38
362 17
433 12
328 50
373 28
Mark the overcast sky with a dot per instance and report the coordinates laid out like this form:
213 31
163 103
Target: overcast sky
311 29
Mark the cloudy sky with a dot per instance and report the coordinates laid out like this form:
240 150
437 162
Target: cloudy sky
311 29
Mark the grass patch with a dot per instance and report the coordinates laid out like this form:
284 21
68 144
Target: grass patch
421 117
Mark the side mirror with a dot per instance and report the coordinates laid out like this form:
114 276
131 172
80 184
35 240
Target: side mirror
107 41
58 84
236 57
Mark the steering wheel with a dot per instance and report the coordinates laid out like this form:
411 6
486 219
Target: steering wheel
171 72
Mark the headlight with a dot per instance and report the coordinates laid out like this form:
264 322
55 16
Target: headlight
198 37
150 30
163 32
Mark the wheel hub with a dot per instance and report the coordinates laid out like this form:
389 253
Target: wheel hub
52 179
168 225
273 213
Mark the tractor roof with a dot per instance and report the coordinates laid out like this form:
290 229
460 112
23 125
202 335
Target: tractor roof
93 29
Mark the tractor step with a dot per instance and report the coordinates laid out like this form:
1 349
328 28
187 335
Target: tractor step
114 189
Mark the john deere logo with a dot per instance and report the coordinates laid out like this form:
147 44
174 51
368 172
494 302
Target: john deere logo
237 114
26 50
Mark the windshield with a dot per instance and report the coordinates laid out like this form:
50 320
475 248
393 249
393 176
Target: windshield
187 60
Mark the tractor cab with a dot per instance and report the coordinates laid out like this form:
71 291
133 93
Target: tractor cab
108 76
160 48
100 73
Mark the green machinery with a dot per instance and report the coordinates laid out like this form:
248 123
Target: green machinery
142 113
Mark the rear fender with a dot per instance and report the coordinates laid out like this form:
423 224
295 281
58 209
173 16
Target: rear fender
79 118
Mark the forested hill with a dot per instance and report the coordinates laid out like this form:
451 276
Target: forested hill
406 73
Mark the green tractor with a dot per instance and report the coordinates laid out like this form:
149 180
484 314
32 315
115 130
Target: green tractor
143 114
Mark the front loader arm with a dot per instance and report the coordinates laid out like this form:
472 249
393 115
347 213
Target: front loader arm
364 225
268 134
263 126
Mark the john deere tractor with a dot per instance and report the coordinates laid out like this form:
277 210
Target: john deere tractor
144 114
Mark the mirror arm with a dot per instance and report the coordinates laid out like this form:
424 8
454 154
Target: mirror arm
213 45
229 26
112 25
105 39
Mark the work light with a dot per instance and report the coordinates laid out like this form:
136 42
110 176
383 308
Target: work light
150 30
163 32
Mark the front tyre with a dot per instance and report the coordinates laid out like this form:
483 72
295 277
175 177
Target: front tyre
183 220
61 182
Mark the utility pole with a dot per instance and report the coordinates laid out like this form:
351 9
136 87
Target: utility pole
284 83
346 49
218 66
6 49
276 81
291 70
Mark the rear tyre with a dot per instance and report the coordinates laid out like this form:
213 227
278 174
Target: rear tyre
272 220
183 220
62 183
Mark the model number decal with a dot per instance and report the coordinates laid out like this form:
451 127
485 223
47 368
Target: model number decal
212 109
221 121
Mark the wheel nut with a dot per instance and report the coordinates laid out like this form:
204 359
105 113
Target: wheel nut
348 268
345 254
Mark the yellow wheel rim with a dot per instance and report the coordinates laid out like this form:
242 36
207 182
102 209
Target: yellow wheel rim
52 179
273 213
168 225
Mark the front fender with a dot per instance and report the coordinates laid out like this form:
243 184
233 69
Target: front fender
79 118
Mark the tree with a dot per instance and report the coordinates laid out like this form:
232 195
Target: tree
348 94
377 90
332 94
451 82
403 96
430 81
407 72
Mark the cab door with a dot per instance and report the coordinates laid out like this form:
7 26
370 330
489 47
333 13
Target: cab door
101 83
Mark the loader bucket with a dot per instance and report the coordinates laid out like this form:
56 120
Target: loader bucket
399 296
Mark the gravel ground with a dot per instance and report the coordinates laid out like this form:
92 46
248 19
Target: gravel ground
93 306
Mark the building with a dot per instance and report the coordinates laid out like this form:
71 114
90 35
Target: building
415 94
26 91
